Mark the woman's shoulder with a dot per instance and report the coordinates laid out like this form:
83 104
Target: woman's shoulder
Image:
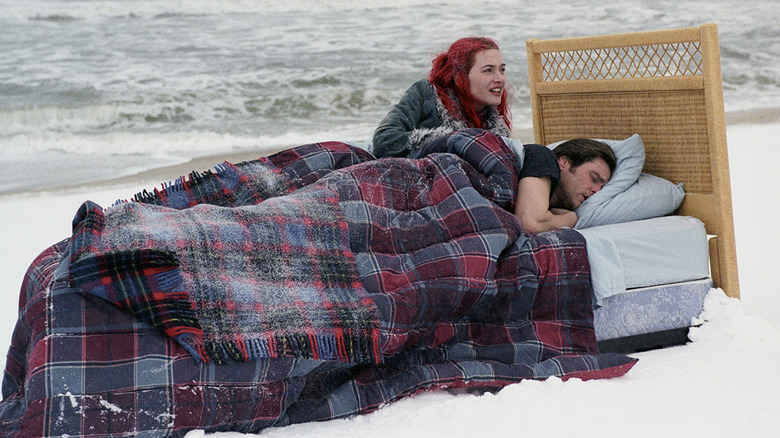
420 99
422 87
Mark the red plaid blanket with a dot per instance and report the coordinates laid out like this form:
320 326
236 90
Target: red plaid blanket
460 297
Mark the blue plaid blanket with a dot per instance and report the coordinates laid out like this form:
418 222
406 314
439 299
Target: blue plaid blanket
237 283
435 286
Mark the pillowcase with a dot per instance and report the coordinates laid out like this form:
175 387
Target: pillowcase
649 196
629 195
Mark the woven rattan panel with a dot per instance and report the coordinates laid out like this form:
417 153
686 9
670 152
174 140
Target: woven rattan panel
672 125
642 61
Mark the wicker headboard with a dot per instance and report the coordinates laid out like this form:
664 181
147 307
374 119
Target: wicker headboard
664 85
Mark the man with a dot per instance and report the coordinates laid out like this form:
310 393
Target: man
553 184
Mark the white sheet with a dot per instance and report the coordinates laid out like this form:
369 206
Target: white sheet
649 252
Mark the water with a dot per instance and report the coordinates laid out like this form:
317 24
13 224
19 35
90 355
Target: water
91 89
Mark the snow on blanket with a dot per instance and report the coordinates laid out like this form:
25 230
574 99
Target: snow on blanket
340 283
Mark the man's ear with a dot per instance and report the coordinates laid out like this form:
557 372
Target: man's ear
563 162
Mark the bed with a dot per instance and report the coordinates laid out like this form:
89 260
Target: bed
321 283
666 87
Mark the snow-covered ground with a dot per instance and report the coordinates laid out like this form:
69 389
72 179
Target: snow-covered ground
723 384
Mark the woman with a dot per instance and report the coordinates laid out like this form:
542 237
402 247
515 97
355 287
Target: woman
465 89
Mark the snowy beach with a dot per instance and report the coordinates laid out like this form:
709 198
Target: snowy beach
135 93
721 385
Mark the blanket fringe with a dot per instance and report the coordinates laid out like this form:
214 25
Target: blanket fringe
179 185
342 347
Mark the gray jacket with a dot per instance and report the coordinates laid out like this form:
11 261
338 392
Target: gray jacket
418 118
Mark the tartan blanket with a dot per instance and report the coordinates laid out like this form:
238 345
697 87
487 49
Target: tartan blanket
450 293
237 283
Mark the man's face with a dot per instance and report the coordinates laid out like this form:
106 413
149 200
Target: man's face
579 183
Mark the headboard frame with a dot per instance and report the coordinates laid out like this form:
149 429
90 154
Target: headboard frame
664 85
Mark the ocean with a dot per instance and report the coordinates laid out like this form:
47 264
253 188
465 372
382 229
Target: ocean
94 89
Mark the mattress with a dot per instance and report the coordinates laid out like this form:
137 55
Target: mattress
651 252
650 309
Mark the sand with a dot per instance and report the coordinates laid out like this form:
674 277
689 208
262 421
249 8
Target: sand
153 177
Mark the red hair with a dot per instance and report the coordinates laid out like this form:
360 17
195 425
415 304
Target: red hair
450 73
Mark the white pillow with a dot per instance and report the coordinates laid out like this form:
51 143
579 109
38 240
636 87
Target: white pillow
648 197
627 196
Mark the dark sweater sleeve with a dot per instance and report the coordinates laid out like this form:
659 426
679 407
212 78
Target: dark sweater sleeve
539 162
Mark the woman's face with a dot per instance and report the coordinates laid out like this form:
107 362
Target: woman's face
486 78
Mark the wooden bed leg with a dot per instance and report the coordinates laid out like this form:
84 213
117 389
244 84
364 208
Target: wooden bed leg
714 261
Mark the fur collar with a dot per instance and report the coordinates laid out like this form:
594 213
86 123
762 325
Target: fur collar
454 122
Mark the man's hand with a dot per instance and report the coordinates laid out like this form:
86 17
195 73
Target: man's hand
570 216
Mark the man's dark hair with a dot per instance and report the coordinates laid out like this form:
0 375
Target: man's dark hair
581 150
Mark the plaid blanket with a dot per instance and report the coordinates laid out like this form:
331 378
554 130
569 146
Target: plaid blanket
461 297
246 282
222 264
